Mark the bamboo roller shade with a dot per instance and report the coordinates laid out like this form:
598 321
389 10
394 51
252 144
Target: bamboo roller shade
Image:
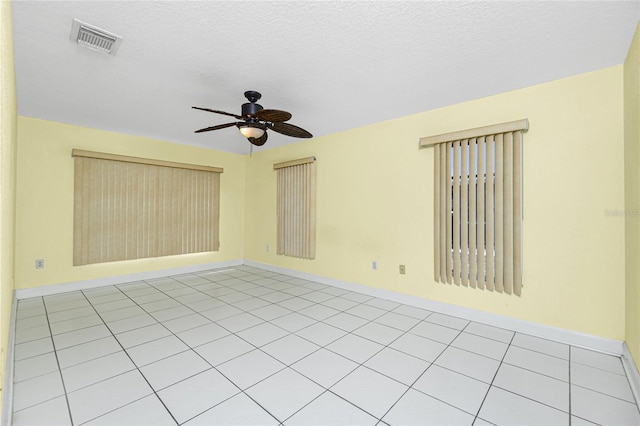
478 207
136 209
296 208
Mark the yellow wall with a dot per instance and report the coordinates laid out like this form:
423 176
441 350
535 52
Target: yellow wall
374 192
632 195
8 126
44 224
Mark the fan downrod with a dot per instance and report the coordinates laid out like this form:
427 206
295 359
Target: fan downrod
252 96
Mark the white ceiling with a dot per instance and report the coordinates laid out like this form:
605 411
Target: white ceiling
334 65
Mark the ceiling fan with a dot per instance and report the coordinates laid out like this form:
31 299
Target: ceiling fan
255 121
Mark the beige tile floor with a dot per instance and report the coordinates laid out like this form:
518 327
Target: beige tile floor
245 346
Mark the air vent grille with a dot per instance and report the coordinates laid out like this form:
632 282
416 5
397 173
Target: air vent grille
94 38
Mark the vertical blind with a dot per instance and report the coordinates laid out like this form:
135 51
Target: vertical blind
478 207
296 208
131 208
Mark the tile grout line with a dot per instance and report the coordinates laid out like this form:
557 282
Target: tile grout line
606 394
55 353
597 368
537 351
570 386
494 378
531 399
33 356
533 371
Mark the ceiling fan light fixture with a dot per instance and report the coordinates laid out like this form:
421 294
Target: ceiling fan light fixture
251 131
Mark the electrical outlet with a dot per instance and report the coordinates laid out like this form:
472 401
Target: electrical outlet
402 269
267 248
374 265
39 263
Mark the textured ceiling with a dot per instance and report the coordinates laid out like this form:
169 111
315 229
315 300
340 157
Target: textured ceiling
334 65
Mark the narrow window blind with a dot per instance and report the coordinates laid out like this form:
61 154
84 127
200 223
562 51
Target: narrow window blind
130 208
478 207
296 208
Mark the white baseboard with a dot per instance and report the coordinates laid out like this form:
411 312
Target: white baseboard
632 372
574 338
7 389
25 293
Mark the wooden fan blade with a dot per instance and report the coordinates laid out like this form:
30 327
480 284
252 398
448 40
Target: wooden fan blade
220 112
290 130
273 115
218 127
259 141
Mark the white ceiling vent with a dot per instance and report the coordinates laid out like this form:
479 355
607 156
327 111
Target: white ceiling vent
94 38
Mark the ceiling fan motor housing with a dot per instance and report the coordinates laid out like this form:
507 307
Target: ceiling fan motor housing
250 109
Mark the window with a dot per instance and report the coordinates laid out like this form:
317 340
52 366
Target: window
478 206
131 208
296 208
